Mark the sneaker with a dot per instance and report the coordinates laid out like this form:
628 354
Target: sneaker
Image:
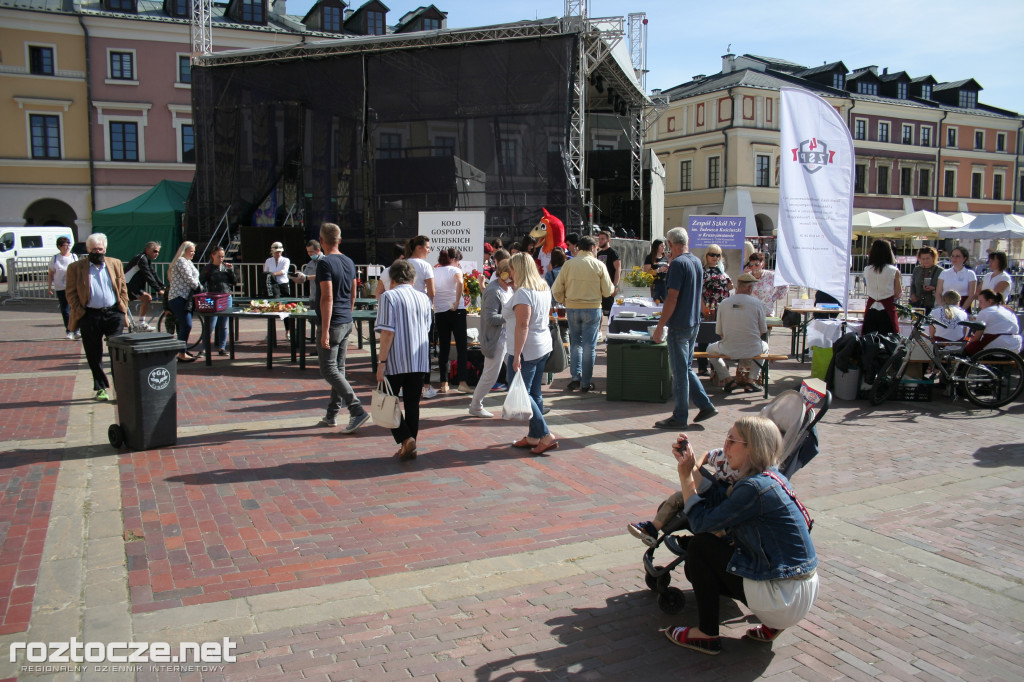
144 327
588 389
327 421
499 387
573 385
480 412
69 336
355 421
430 392
102 394
222 351
644 531
78 335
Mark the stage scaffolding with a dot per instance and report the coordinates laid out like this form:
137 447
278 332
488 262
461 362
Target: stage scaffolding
368 131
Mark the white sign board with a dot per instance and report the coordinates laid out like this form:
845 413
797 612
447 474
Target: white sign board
463 230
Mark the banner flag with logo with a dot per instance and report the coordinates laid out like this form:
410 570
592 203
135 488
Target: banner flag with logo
815 196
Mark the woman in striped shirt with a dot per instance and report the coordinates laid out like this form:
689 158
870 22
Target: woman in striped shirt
403 321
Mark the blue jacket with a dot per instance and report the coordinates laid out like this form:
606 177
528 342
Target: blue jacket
771 536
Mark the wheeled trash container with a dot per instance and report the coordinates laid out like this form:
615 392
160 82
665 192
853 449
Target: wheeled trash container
145 380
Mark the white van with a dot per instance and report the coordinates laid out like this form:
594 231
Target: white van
27 241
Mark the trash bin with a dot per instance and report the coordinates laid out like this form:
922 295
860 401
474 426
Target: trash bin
145 380
638 371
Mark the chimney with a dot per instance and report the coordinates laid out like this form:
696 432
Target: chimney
728 63
348 13
279 8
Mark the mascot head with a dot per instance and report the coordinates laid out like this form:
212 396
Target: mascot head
550 232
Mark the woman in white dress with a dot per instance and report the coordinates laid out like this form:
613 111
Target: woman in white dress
1001 327
996 278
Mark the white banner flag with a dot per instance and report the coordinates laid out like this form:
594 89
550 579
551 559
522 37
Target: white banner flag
815 196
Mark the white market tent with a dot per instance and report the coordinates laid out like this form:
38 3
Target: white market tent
917 224
998 226
961 218
867 219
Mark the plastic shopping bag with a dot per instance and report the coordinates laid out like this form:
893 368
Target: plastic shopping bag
517 405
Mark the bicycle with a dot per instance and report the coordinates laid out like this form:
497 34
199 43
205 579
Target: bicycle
990 378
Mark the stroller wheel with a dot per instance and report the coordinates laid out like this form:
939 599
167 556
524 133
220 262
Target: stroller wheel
672 601
652 582
658 583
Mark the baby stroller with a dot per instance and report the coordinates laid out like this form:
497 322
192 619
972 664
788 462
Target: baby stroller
796 414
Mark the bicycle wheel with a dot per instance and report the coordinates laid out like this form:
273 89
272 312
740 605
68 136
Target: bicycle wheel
888 378
994 378
197 339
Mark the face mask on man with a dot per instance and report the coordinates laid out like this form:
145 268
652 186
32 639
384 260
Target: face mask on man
96 258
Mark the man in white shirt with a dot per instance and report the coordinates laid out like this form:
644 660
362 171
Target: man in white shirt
741 323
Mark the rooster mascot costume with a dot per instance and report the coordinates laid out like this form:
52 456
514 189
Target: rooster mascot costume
550 232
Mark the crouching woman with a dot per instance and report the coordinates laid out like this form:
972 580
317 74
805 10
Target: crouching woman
752 540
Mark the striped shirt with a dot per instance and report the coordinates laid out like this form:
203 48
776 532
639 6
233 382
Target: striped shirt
407 313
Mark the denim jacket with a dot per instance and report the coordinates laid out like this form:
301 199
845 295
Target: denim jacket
769 531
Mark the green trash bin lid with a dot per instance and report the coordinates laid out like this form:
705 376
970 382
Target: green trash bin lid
146 342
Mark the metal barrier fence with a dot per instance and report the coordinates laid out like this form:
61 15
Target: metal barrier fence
27 279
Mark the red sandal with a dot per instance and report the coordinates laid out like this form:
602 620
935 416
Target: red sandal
763 633
680 636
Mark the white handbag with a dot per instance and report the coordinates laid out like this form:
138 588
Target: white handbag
384 406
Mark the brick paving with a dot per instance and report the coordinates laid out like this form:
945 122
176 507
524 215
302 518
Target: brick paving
325 559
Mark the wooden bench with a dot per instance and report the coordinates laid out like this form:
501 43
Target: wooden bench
763 361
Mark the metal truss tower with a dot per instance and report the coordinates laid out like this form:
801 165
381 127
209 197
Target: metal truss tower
201 28
638 56
575 155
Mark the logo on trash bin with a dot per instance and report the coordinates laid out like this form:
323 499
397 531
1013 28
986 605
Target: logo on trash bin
159 379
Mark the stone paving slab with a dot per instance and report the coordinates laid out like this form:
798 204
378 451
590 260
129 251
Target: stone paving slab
504 567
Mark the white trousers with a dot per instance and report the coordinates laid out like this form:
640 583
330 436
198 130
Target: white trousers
721 369
488 377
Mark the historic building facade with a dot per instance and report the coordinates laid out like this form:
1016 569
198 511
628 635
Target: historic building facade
920 144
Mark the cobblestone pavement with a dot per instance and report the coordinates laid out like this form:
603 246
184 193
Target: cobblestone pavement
322 558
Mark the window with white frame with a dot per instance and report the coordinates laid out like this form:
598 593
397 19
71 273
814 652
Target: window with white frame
188 143
123 130
184 69
44 132
926 136
883 180
949 183
121 66
686 175
883 131
41 60
951 137
1000 142
908 133
906 181
997 186
762 170
977 184
124 141
714 171
979 139
860 129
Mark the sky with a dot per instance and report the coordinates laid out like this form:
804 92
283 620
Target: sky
948 39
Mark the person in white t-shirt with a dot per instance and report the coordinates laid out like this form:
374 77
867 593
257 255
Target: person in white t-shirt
1001 327
741 323
950 315
996 278
57 278
276 270
884 287
384 283
959 277
416 251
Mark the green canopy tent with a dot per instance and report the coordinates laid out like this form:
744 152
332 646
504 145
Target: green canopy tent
153 216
